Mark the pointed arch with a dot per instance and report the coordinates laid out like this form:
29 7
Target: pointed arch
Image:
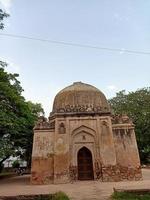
85 164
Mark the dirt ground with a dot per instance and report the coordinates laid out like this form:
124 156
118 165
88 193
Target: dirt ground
79 190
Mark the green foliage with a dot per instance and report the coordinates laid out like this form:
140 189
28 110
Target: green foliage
16 164
61 196
17 118
2 16
137 106
36 109
44 197
130 196
6 147
56 196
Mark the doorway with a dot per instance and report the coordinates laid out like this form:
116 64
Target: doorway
85 164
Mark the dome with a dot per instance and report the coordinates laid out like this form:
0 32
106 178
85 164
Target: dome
80 98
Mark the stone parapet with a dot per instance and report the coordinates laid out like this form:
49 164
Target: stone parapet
43 124
121 119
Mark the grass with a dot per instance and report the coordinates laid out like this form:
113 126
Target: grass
6 174
56 196
129 196
60 196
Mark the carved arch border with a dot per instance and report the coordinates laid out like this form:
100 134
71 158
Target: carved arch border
91 146
84 129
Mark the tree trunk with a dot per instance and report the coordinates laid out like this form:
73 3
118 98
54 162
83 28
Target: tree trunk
1 163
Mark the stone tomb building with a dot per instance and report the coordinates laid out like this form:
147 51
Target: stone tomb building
82 140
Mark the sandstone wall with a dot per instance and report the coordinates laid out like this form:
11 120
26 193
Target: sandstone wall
128 161
56 144
126 146
107 150
95 133
61 152
42 157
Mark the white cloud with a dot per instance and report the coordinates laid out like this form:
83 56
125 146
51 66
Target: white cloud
120 17
122 51
111 91
112 87
11 67
6 4
45 97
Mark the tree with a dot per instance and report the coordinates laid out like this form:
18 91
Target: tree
5 149
17 117
35 110
137 106
2 16
16 164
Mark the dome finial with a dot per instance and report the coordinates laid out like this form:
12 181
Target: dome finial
77 82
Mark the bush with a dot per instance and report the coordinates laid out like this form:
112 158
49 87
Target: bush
60 196
56 196
16 164
44 197
129 196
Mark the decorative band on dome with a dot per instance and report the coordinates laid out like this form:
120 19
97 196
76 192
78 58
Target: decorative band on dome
80 98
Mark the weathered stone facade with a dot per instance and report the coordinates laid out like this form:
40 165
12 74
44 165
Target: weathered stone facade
82 140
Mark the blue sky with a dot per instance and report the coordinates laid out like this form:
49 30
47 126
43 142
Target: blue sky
46 68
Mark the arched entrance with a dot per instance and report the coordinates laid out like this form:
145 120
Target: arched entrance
85 164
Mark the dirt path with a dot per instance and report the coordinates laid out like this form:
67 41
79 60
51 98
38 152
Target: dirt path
80 190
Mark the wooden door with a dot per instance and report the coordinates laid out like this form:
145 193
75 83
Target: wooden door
85 164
